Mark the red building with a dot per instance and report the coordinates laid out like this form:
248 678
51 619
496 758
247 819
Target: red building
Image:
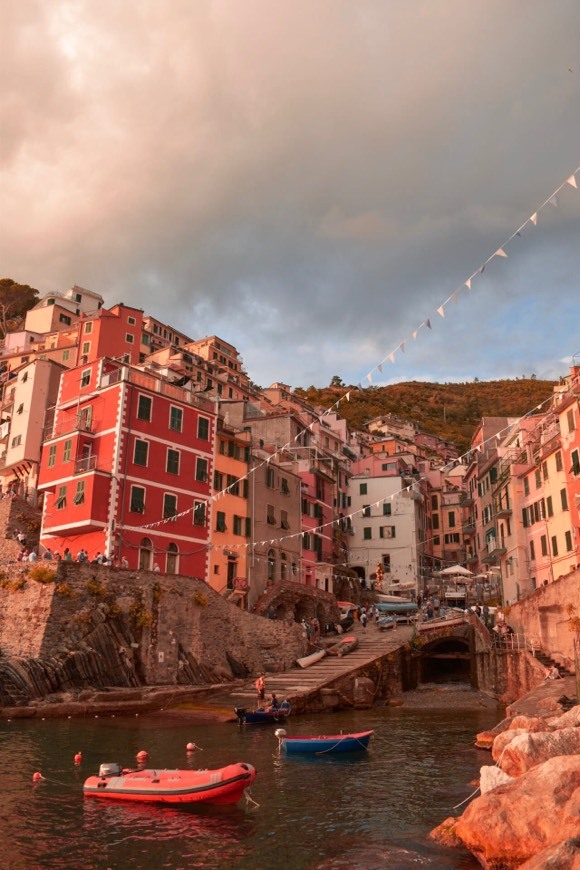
126 452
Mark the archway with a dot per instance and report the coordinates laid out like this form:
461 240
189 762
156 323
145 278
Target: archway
172 559
447 660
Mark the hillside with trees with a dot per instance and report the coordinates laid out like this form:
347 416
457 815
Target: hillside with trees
15 300
451 411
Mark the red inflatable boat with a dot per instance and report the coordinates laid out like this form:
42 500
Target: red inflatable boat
223 786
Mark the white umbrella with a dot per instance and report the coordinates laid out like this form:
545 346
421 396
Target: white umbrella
456 571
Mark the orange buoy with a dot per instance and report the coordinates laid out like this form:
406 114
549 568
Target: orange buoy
78 758
142 755
190 747
36 777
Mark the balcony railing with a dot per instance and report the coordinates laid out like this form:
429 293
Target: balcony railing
87 463
68 427
156 385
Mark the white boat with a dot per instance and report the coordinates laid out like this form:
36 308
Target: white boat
386 622
311 659
391 599
442 621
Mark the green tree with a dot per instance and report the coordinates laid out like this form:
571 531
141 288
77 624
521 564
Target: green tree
15 300
336 381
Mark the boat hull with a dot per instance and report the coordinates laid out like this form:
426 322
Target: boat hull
430 624
397 607
332 744
223 786
311 659
260 717
343 647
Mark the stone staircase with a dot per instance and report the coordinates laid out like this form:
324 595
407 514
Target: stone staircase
548 662
299 682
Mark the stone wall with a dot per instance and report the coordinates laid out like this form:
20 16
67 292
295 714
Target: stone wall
98 626
544 616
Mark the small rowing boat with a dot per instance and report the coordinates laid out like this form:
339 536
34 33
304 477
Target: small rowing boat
263 717
223 786
344 646
324 744
386 622
311 659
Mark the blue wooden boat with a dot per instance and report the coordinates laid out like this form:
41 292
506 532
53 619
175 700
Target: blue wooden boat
263 717
397 607
324 744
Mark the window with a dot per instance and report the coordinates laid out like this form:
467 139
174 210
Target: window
20 409
67 450
366 510
144 407
575 456
283 566
172 461
434 503
549 506
61 498
86 377
88 327
435 521
141 452
218 481
451 519
24 377
363 489
284 486
270 478
386 560
201 469
270 515
169 505
199 513
64 318
16 441
172 559
367 533
86 349
545 470
387 509
564 498
271 565
203 428
526 486
175 418
453 538
568 537
571 421
538 475
80 493
65 355
532 551
85 418
559 463
387 532
51 456
436 540
233 484
544 545
129 338
554 545
220 523
131 321
137 502
284 524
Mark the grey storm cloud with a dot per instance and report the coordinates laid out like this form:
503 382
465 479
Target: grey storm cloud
308 180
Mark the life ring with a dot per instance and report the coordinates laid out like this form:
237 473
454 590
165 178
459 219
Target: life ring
240 583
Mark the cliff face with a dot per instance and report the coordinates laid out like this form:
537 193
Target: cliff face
92 626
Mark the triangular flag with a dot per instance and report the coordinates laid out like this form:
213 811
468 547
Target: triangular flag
428 323
518 234
359 386
402 347
534 218
440 311
500 253
553 201
482 270
380 367
468 283
453 297
370 378
572 181
414 334
391 357
347 397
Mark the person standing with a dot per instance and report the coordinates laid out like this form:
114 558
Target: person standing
261 690
363 618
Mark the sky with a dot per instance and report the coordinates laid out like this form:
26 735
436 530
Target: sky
309 180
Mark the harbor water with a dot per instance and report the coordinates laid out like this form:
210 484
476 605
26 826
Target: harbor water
367 810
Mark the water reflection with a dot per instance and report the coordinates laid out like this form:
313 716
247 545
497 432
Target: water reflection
313 810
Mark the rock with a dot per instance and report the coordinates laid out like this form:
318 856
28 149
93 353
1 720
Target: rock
563 856
491 777
395 702
445 833
502 740
364 693
529 723
484 740
570 719
516 821
528 750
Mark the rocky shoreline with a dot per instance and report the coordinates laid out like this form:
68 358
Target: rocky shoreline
528 811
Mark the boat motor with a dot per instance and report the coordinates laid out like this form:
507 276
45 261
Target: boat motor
110 769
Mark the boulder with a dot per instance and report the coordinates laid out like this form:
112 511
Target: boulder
445 833
563 856
529 723
570 719
528 750
502 740
515 822
490 777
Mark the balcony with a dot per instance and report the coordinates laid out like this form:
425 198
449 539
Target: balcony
468 528
495 549
502 512
69 427
87 463
466 500
155 385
